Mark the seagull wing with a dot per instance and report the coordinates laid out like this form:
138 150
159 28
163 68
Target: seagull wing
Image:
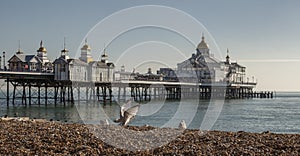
125 107
122 112
133 110
129 114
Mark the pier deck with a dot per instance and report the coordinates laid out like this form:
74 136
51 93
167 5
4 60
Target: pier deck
41 87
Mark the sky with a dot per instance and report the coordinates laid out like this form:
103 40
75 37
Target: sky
261 35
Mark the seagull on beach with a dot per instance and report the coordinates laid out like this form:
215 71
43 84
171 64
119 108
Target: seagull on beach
127 113
182 125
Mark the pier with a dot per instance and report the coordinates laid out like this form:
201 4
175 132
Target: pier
34 79
29 88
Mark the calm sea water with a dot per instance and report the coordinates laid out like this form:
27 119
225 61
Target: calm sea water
279 115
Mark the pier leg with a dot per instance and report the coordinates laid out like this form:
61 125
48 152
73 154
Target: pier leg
55 94
61 94
46 92
98 93
154 93
124 93
119 94
68 99
7 91
87 94
14 94
64 95
29 96
24 95
110 94
39 94
72 97
78 92
145 93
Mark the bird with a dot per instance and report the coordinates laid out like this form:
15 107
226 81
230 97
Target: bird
105 122
127 113
182 125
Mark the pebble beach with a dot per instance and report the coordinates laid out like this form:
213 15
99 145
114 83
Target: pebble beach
41 137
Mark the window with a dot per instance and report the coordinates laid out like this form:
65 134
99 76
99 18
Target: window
63 68
33 66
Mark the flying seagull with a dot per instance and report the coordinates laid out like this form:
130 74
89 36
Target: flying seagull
182 125
127 113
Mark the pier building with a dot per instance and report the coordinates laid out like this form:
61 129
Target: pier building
202 67
83 69
24 63
122 74
31 63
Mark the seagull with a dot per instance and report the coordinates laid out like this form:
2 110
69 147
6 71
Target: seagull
105 122
182 125
127 113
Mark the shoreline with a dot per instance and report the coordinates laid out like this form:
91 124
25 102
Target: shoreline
42 137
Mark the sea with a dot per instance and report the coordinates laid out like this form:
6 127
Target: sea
280 114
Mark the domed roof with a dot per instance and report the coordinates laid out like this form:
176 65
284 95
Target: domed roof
202 44
19 52
86 47
104 53
42 49
65 50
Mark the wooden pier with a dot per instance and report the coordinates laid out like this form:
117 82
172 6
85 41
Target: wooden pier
30 88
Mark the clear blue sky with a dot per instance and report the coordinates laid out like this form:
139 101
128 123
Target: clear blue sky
261 35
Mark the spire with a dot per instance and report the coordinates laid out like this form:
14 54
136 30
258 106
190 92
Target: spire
227 57
19 48
64 52
104 56
64 42
85 41
202 36
104 51
41 43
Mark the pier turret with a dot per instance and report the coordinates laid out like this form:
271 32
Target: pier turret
104 56
227 57
46 65
42 53
203 47
65 52
86 53
19 49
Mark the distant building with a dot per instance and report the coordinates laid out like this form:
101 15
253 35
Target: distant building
66 69
168 74
123 75
83 69
101 71
202 67
61 66
24 63
149 76
236 73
